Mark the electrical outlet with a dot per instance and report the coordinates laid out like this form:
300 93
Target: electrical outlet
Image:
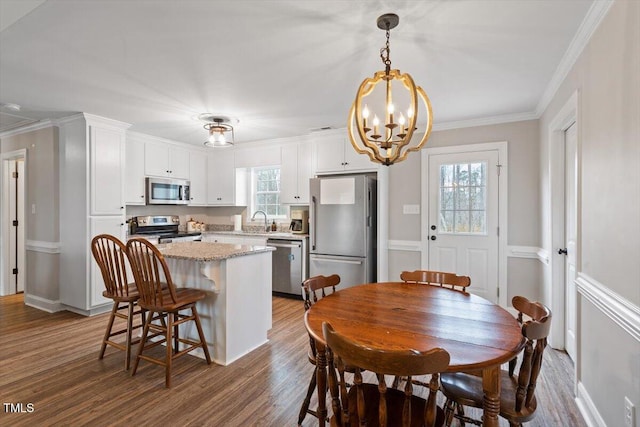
629 413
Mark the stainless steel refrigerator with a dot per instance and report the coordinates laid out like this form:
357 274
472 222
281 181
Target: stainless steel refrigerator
342 228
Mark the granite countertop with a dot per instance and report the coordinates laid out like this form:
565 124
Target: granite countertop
271 234
204 251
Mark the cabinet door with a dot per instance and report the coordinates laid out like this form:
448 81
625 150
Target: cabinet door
107 171
221 178
134 172
289 174
106 225
329 153
198 178
354 160
178 163
305 172
156 159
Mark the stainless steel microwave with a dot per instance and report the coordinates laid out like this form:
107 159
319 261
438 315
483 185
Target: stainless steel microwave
167 191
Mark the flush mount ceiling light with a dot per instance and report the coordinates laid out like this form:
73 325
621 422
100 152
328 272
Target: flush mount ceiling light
389 141
218 126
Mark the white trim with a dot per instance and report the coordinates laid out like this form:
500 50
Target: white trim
43 304
592 20
486 121
567 115
44 247
382 219
99 309
405 245
503 196
4 216
533 252
42 124
587 408
617 308
92 120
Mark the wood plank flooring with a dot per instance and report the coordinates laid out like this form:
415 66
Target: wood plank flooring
51 361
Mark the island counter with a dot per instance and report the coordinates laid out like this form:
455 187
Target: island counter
236 314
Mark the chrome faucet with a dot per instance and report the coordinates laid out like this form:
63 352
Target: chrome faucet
266 227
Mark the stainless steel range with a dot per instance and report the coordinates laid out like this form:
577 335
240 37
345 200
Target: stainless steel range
163 226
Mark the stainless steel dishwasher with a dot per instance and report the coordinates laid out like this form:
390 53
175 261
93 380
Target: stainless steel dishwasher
289 266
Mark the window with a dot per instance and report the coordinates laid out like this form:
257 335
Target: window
463 198
266 191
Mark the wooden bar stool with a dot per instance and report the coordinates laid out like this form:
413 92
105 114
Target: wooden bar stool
164 302
110 255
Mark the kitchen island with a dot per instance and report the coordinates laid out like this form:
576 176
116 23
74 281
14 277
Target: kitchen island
236 314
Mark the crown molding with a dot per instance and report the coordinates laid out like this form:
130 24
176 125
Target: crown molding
485 121
92 119
42 124
592 20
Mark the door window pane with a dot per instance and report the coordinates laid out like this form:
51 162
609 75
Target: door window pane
463 198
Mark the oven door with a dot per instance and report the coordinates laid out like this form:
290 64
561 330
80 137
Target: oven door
163 191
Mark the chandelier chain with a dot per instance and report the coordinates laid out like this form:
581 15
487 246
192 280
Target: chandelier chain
385 52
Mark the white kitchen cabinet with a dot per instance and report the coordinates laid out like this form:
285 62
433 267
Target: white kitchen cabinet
295 172
134 172
103 225
198 178
221 178
92 172
334 153
166 160
106 148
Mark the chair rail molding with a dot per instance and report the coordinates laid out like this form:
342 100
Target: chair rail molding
42 246
405 245
532 252
622 311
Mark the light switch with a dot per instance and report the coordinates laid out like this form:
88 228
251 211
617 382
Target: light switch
411 209
33 209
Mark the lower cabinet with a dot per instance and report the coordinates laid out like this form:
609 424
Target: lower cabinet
102 225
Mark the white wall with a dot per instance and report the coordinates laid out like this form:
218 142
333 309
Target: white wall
607 78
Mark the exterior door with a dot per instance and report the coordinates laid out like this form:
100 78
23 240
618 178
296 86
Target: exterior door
463 217
571 231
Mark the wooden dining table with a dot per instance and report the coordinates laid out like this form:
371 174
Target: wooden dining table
478 334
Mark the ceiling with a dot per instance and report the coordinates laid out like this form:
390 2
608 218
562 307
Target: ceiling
282 68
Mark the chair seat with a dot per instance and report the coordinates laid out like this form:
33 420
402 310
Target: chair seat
467 390
395 400
132 296
184 297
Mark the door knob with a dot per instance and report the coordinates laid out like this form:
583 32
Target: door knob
433 227
433 237
562 251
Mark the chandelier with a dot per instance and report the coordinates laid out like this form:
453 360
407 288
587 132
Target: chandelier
386 137
218 126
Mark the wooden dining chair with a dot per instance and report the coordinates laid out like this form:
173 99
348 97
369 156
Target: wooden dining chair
517 397
323 285
111 256
437 278
374 404
164 303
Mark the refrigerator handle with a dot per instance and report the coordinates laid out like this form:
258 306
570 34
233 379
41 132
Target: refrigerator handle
314 229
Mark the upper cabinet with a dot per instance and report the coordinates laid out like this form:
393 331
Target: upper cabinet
162 159
334 153
221 178
198 178
134 181
295 172
106 148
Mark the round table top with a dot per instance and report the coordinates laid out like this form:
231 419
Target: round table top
395 315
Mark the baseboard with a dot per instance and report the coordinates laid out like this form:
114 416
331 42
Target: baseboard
90 312
622 311
43 304
588 409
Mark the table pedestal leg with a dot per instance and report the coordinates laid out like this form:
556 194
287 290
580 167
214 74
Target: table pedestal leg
321 372
491 389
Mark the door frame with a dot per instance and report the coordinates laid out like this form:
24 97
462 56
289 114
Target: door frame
502 148
567 115
4 218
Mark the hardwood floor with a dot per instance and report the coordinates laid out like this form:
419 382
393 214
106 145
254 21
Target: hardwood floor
51 361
